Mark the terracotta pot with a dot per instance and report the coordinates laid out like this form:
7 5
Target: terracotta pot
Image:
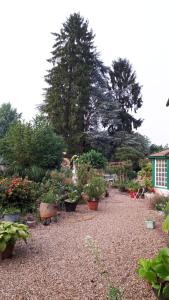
92 205
47 210
8 251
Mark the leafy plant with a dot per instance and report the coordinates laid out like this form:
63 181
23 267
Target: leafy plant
18 192
160 203
49 197
165 224
156 272
84 173
133 186
95 188
93 158
123 186
73 196
11 232
11 210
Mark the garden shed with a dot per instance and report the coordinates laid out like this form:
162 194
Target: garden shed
160 171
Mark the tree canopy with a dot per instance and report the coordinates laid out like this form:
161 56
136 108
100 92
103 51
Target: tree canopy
75 82
32 143
8 116
125 99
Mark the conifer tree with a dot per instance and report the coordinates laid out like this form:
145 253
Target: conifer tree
76 83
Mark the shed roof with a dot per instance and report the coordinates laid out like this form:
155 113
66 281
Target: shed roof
161 153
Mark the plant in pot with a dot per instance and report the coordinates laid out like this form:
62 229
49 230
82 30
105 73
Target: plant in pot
9 233
156 272
94 189
72 200
11 214
48 206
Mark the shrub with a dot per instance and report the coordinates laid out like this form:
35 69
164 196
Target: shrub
160 202
18 192
93 158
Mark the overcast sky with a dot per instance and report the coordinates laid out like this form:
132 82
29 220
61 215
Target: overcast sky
132 29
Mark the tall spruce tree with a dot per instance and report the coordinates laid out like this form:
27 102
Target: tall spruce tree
76 83
126 98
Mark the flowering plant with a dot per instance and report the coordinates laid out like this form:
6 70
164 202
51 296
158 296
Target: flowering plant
16 192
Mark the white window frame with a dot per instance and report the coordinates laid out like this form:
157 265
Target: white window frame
158 186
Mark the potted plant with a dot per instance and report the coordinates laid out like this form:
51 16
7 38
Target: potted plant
71 202
11 214
156 272
95 188
48 206
9 233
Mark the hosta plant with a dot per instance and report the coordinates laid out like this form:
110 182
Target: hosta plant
11 232
156 272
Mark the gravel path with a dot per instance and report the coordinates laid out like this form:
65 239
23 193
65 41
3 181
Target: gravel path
56 264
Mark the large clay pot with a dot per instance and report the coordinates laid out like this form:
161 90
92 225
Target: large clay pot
92 205
8 252
47 210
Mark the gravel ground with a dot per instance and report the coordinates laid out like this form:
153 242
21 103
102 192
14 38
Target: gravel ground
56 264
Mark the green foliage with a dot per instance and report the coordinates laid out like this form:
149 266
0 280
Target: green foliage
157 148
19 193
11 232
127 94
73 196
114 293
11 210
49 197
160 203
84 174
146 168
156 271
8 116
128 153
93 158
74 82
32 144
95 188
133 186
165 224
123 186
